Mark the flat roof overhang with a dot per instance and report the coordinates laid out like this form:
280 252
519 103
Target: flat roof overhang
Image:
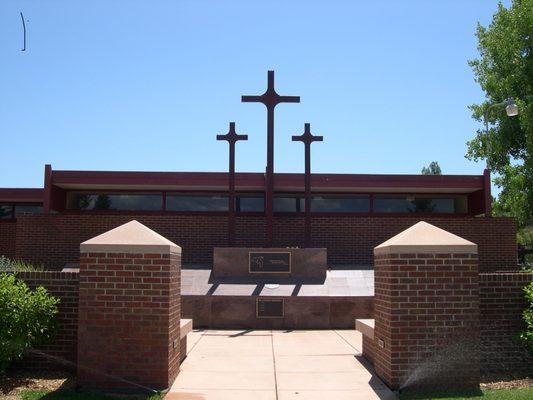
246 181
17 195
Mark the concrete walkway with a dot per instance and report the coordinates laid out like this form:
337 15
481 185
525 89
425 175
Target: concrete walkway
270 365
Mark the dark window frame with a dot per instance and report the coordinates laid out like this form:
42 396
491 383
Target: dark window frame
13 206
371 196
420 195
256 195
168 194
118 193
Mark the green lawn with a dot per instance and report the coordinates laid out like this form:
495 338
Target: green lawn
72 395
492 394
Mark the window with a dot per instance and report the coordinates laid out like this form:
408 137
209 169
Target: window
421 204
340 203
115 201
6 211
28 209
178 202
289 204
250 204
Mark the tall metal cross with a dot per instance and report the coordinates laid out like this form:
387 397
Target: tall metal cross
270 99
307 138
231 137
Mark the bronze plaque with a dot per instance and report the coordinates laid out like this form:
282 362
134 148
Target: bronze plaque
270 262
269 308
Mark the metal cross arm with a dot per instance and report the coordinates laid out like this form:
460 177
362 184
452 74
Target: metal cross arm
270 98
232 136
307 137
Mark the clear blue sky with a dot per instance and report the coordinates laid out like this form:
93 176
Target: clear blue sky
146 85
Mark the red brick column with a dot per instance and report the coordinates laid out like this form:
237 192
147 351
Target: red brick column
129 309
426 310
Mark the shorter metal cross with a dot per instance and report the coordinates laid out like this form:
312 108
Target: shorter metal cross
307 138
231 137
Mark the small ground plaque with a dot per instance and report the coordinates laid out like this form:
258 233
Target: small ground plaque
270 262
269 308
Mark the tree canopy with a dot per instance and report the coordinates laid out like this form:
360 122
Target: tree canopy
432 169
505 69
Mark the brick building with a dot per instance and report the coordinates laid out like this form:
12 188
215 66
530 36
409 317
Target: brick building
350 214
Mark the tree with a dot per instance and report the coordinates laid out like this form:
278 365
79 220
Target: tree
103 202
432 169
505 69
527 334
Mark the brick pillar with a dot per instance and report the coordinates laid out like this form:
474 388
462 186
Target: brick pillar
129 309
426 310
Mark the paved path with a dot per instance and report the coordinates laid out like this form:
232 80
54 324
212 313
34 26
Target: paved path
276 365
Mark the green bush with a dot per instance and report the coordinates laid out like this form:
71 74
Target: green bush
27 318
11 265
527 334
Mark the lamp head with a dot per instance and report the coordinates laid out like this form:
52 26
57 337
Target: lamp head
510 107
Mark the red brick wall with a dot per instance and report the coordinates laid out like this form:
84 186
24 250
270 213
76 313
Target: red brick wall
501 304
174 345
351 239
54 239
369 348
129 319
62 350
426 310
8 231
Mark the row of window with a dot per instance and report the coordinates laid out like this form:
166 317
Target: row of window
9 210
446 204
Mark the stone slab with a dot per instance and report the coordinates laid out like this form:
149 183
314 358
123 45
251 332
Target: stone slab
131 237
214 394
185 327
310 312
359 394
337 283
225 380
425 238
365 326
309 263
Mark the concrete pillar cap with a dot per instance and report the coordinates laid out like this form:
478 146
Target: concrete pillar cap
425 238
132 237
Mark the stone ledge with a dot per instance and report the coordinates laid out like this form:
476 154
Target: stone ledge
366 327
185 327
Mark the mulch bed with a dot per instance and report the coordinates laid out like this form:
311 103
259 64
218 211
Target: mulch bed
15 382
505 381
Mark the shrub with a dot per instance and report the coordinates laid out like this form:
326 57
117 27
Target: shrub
27 318
527 334
11 265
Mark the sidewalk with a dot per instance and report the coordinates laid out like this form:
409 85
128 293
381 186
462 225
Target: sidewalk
270 365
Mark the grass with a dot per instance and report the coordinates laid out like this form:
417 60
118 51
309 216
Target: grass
489 394
73 395
8 265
